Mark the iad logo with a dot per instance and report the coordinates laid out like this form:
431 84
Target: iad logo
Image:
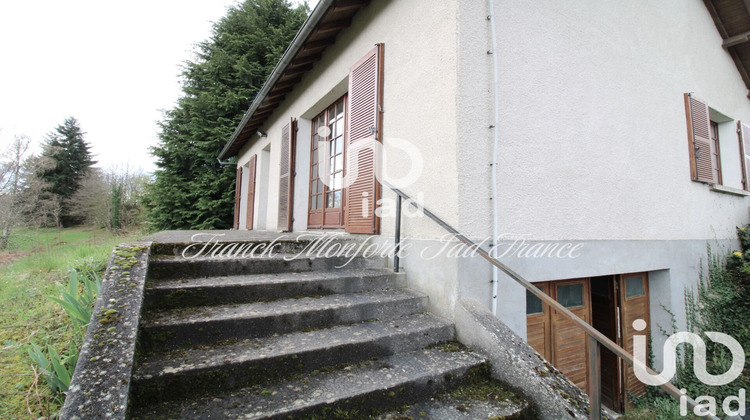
707 404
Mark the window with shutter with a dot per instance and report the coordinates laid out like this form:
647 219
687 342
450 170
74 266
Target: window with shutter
744 134
364 121
237 198
699 139
286 181
250 215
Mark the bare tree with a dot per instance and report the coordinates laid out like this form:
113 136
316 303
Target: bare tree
39 206
11 209
111 198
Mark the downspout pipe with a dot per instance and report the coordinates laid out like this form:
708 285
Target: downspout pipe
496 141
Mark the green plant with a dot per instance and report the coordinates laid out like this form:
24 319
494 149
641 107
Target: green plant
58 370
78 302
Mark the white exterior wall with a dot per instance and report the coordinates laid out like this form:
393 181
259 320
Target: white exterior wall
593 138
593 132
593 143
419 100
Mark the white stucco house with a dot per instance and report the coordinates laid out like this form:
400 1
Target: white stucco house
601 143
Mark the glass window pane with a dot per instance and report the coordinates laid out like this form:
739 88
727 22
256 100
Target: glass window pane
314 187
339 162
330 182
340 127
315 171
634 286
331 148
570 295
339 108
313 203
337 199
332 168
329 200
533 304
338 181
320 201
332 129
340 145
315 155
320 186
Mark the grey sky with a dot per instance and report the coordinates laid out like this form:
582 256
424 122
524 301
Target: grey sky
112 65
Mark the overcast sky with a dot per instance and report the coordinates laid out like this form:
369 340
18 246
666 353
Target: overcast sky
112 65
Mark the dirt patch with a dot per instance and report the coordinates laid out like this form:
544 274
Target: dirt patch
8 257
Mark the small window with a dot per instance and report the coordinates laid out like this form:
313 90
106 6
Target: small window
714 156
534 305
634 286
570 295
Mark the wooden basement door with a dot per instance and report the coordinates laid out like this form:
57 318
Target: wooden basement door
610 304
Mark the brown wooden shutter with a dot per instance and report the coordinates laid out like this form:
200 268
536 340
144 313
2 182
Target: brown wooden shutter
237 197
699 139
364 121
286 182
251 192
744 131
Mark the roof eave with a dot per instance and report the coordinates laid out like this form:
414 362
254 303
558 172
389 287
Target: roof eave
294 47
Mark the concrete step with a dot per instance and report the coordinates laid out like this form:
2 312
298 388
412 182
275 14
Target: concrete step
178 267
180 293
227 242
211 324
362 389
177 374
477 397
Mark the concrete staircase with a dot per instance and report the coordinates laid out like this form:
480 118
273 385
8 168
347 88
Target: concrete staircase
278 338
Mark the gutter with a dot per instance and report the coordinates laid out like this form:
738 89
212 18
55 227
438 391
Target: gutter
294 47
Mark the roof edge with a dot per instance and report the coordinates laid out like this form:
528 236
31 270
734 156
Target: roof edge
294 47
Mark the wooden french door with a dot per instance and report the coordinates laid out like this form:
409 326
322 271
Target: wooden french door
327 193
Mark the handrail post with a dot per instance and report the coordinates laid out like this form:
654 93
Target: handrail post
595 378
398 234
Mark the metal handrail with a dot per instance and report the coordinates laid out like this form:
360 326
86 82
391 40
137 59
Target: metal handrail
596 338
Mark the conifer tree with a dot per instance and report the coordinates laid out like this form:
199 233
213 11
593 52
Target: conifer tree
72 159
191 189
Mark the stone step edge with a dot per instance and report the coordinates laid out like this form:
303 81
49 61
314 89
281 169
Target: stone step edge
215 291
277 317
378 390
178 381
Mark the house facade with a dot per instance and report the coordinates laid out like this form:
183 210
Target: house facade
599 142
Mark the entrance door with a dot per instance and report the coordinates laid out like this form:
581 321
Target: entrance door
569 341
326 209
556 337
604 317
610 304
634 305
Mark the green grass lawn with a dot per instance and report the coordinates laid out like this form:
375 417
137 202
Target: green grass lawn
33 269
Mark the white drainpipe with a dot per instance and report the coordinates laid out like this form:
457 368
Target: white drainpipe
495 130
